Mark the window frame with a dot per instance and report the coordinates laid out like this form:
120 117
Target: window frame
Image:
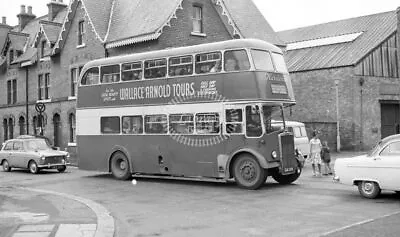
112 132
81 33
197 22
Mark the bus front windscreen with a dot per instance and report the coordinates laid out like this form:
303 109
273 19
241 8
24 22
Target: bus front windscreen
272 118
279 62
262 60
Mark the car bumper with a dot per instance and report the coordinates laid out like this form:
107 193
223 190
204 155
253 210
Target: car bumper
49 166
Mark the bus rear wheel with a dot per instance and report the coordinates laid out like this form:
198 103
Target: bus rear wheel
120 166
286 179
248 173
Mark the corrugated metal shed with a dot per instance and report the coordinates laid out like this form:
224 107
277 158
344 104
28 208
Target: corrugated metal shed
376 28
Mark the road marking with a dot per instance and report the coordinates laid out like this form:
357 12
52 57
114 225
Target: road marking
24 216
36 228
32 234
359 223
68 230
105 222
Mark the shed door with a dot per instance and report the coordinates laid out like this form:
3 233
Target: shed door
390 119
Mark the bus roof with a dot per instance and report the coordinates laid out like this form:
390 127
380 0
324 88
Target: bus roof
222 45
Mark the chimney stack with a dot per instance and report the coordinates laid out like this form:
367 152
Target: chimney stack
54 8
4 20
24 18
22 9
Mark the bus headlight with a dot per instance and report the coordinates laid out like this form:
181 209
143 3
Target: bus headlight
274 154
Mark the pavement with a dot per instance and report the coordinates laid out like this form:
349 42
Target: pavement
29 212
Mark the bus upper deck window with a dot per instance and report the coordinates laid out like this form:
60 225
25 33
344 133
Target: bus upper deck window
155 68
132 71
91 77
279 62
208 62
179 66
262 60
236 60
110 74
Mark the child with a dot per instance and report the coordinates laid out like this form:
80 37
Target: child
315 153
326 158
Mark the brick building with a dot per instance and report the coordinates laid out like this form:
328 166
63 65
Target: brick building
361 55
42 57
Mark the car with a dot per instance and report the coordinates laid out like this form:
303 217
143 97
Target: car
378 170
33 153
301 141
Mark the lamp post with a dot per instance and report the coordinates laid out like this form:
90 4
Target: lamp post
337 116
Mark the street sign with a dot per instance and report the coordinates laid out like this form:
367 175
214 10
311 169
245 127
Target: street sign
40 107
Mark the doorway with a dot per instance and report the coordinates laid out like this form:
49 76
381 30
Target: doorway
390 119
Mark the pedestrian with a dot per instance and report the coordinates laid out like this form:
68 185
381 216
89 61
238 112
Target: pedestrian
326 158
315 153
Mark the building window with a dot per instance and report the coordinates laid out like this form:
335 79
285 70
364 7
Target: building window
35 125
5 129
42 49
43 86
12 91
10 128
197 19
73 81
21 123
81 32
72 128
11 56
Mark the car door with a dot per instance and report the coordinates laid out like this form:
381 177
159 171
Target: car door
388 164
18 154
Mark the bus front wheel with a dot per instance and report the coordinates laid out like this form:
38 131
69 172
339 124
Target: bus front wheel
286 179
248 173
120 166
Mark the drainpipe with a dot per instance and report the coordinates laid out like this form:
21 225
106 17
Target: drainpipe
27 99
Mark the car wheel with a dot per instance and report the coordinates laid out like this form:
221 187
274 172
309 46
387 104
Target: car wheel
6 166
248 173
120 166
369 189
33 168
61 168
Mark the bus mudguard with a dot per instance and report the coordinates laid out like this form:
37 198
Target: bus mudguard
260 158
122 149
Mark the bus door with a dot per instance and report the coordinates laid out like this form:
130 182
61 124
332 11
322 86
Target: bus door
234 127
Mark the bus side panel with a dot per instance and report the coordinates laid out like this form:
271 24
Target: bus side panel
94 151
195 155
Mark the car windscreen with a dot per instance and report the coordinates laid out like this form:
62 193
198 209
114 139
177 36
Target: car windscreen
375 148
37 145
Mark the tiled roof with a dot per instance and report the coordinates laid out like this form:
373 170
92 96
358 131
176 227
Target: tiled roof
51 30
18 40
375 29
29 55
140 18
250 22
4 29
99 14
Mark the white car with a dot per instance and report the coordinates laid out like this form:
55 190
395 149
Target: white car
378 170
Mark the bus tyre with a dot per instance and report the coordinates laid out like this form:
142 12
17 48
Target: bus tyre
369 189
61 168
286 179
248 173
120 166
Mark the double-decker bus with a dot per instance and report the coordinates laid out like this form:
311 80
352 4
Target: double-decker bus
203 111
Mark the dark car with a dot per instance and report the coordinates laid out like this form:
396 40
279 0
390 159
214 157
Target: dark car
33 153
